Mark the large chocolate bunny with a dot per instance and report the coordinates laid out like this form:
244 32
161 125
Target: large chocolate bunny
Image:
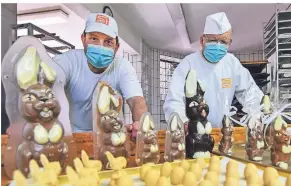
112 134
175 139
226 141
255 141
43 132
199 142
147 142
281 149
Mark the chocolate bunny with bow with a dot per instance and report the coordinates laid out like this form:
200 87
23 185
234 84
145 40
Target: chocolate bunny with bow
199 142
175 139
147 150
43 133
281 149
111 131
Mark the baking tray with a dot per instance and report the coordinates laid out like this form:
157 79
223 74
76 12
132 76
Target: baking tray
239 154
134 173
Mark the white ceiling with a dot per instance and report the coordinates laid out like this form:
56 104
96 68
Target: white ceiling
174 27
71 30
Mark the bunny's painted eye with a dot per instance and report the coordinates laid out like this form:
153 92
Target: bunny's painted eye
28 97
50 95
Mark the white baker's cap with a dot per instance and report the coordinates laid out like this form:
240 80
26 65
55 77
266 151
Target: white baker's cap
99 22
217 24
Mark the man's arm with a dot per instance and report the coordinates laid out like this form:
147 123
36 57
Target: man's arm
65 63
246 91
137 106
174 101
131 90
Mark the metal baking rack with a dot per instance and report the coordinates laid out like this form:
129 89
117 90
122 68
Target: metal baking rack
277 42
35 31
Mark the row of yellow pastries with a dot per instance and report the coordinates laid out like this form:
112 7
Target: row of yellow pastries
183 175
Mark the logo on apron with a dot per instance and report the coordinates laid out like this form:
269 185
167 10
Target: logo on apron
226 82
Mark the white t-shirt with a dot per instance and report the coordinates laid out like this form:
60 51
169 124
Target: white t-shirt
81 82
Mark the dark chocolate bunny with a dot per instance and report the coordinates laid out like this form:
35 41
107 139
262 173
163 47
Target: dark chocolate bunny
43 133
199 142
112 134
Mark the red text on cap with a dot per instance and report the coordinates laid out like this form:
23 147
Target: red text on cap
102 19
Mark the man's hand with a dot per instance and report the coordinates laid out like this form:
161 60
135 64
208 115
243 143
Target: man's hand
132 130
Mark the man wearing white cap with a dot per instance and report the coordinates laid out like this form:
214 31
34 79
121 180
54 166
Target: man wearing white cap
85 68
220 72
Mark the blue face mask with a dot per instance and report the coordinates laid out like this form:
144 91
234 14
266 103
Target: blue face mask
214 52
99 56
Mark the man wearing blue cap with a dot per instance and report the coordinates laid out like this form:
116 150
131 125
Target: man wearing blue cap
85 68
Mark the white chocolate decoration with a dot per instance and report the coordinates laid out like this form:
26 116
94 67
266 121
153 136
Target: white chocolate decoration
27 68
104 100
174 123
114 100
286 149
40 134
118 138
260 144
154 148
200 128
48 71
55 133
191 85
181 147
146 124
208 128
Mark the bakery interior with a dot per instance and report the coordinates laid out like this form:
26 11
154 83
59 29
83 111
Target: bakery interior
155 38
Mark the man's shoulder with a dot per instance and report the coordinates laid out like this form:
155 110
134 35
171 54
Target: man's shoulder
121 63
73 53
230 58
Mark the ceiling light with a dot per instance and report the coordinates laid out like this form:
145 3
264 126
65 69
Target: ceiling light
43 18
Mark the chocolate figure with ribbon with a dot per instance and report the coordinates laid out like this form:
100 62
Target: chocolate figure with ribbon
199 142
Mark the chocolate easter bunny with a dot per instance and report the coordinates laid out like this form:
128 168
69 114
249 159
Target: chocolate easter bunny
255 142
175 139
147 150
226 141
281 149
199 142
34 83
43 132
111 133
